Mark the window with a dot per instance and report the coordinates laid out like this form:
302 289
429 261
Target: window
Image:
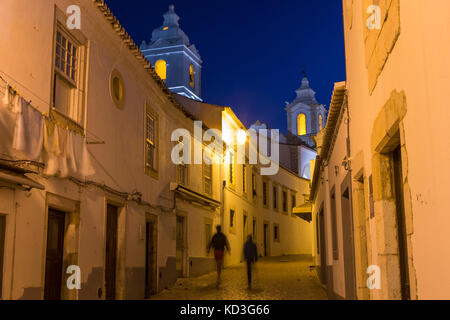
244 179
301 124
254 186
232 221
191 76
294 200
68 90
207 176
182 169
254 229
276 233
320 122
275 198
66 56
151 145
285 209
265 202
116 88
182 174
2 249
231 174
161 69
334 227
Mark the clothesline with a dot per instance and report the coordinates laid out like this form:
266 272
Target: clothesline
44 114
27 133
8 86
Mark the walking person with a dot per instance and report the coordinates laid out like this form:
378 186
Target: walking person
219 242
251 256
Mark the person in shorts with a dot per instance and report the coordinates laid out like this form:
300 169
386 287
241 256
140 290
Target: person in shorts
219 243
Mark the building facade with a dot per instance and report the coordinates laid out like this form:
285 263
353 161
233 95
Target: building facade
389 149
87 181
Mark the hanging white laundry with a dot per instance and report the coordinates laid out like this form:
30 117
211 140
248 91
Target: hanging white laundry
71 161
6 98
28 133
7 124
63 137
51 146
82 156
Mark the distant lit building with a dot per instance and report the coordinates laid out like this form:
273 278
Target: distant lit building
305 116
176 61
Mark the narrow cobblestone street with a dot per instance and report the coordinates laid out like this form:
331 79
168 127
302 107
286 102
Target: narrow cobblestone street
280 278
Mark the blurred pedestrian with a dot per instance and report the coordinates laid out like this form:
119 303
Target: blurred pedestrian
219 242
251 256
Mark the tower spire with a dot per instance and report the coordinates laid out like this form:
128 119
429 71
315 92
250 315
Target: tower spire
171 18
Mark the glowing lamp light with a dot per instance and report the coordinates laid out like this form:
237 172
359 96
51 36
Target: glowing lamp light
241 137
227 136
165 28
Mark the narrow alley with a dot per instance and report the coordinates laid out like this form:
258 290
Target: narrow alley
276 278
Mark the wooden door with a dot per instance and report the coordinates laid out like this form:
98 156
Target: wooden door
111 251
54 255
150 258
401 225
266 240
2 250
348 242
322 247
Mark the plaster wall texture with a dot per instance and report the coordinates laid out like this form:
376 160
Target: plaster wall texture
415 64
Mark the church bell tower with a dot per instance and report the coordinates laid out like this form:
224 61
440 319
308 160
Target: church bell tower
175 60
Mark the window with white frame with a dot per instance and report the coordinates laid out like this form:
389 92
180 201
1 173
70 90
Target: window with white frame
182 169
68 67
231 173
151 142
207 176
244 179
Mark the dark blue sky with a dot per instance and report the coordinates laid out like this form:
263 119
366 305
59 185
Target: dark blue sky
253 52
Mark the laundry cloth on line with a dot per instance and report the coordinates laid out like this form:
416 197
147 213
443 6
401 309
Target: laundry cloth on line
28 131
6 100
51 147
66 153
7 124
62 159
82 157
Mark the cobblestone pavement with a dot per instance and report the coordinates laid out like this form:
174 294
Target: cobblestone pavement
281 278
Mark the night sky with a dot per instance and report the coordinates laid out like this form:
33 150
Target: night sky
253 52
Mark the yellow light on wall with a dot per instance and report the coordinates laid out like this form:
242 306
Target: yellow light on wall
241 137
227 135
165 28
161 69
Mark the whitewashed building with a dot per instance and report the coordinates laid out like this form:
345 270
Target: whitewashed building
89 181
